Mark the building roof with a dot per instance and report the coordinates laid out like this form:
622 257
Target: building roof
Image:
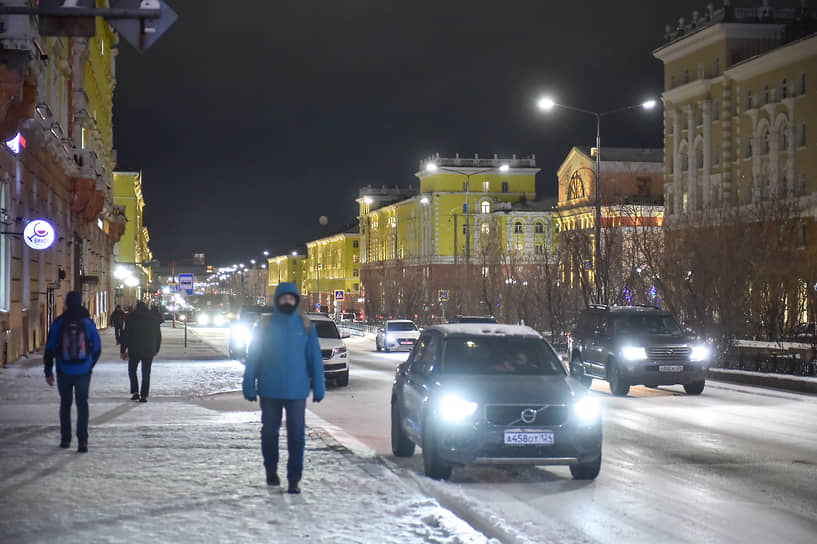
627 154
538 205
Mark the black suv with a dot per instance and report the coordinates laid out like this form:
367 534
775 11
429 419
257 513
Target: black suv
632 345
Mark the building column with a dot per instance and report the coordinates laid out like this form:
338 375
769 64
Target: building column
727 153
706 106
692 167
676 161
756 153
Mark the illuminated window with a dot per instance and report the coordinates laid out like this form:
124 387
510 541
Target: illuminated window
485 207
484 271
486 228
486 186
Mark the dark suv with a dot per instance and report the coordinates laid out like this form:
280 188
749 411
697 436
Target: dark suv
632 345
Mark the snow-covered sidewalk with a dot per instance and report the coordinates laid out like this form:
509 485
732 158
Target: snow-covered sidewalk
187 467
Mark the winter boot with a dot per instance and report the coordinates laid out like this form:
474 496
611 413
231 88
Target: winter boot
293 488
135 396
272 478
83 446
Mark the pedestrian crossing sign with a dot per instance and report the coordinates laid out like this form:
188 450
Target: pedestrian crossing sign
442 295
338 294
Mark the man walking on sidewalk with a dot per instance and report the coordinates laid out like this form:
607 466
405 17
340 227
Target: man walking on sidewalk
141 340
74 341
118 322
284 356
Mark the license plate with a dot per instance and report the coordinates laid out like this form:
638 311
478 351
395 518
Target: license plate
406 342
523 439
670 368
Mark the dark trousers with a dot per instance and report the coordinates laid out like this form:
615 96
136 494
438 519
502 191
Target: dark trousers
133 362
70 386
118 333
271 411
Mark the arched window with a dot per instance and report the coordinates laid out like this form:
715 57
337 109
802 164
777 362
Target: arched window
683 155
485 207
784 138
766 146
539 228
748 152
518 228
699 157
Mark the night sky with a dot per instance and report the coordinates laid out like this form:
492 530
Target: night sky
250 120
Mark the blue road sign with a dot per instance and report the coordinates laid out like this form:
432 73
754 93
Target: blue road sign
186 283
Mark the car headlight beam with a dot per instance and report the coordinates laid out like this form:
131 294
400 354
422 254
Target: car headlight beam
634 353
454 408
700 353
587 409
218 321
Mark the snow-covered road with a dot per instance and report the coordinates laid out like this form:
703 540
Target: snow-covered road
737 464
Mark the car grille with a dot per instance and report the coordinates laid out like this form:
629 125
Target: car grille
326 353
673 354
511 414
334 366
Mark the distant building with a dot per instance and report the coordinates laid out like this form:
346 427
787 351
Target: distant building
285 268
332 267
132 255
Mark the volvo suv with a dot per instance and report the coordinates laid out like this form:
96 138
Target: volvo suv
636 345
492 394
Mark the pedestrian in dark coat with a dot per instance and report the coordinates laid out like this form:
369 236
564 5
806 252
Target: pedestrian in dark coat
284 357
141 340
118 322
74 342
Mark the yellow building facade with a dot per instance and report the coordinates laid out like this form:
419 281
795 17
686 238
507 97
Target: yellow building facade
132 255
332 265
285 268
740 129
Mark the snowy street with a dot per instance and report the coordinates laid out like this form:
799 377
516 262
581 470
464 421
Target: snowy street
186 466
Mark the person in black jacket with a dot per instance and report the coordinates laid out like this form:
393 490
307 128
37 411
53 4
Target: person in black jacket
118 322
141 340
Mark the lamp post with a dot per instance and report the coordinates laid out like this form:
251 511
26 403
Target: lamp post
547 104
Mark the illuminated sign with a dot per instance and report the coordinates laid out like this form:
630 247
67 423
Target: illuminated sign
16 144
39 234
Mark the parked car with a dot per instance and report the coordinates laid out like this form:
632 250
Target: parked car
397 335
631 345
333 349
472 319
496 394
242 328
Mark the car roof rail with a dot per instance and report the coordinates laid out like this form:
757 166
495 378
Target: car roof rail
598 306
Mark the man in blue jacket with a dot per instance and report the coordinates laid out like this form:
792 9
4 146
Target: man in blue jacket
74 341
283 357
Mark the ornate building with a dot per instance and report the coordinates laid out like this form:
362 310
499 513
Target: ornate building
132 255
56 165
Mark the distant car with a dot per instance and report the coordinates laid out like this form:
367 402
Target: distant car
333 349
496 394
630 345
348 317
242 328
397 335
212 318
472 319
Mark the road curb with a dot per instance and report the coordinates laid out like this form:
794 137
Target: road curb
773 381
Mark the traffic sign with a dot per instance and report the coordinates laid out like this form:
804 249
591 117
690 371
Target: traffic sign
142 33
186 283
318 306
442 295
588 265
338 294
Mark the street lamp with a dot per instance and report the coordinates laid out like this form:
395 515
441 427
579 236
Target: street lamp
546 103
433 167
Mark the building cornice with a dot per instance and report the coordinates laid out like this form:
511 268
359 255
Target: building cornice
713 34
782 56
690 90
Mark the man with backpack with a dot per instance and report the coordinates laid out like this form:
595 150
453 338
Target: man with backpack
284 356
74 341
118 322
141 339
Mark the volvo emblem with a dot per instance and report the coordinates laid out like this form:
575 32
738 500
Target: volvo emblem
528 415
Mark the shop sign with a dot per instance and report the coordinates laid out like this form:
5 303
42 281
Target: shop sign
39 234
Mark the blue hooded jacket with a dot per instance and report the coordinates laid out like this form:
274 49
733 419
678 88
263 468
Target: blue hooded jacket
283 357
73 311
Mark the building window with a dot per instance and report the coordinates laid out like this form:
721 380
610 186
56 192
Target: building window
784 138
765 95
539 228
801 234
355 258
539 249
465 230
486 228
485 207
484 271
784 89
765 142
356 273
801 184
717 66
356 244
801 84
504 186
686 76
356 287
486 186
748 152
701 74
518 228
748 103
801 135
684 158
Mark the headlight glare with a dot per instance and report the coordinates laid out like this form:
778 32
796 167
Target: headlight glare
218 321
587 409
633 353
699 353
389 337
454 408
242 335
204 319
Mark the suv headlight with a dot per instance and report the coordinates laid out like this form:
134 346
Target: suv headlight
587 409
242 335
339 351
454 408
204 319
390 337
700 353
633 353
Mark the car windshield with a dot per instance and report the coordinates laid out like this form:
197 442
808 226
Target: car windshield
646 324
500 355
326 329
405 326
